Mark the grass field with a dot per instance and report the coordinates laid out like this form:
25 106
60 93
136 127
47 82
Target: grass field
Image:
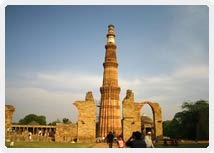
88 145
49 145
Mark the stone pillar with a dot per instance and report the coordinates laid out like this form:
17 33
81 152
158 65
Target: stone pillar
86 119
9 109
109 119
158 125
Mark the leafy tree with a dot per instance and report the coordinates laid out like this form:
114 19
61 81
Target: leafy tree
32 117
197 119
171 128
191 123
66 120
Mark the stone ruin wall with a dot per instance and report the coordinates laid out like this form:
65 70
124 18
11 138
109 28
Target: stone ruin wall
65 132
85 129
9 109
86 119
131 116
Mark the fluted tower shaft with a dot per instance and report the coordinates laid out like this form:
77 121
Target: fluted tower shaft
109 119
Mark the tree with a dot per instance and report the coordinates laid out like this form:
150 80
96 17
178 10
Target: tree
191 123
66 120
32 117
171 129
194 119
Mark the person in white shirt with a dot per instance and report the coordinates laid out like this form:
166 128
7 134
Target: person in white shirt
148 140
30 136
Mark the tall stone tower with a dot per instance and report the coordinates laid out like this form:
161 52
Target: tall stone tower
109 119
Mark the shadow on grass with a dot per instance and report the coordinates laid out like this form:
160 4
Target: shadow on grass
202 145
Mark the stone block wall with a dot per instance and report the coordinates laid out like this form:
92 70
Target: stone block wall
65 132
131 116
158 125
9 109
86 119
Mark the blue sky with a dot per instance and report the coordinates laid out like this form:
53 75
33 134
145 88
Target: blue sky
54 55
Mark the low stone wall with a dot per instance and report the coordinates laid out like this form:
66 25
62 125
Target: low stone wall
65 132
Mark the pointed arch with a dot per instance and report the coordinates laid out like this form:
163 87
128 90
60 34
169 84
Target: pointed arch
131 116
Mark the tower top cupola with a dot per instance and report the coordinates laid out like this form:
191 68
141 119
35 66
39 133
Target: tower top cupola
111 34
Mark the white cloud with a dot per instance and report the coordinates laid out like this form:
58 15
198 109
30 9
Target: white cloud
170 80
51 93
171 90
42 102
193 72
68 80
57 91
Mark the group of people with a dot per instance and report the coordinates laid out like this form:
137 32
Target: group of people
135 141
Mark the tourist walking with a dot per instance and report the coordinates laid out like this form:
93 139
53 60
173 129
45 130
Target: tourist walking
30 135
110 139
148 140
136 141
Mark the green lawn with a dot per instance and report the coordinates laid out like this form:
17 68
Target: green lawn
87 145
49 145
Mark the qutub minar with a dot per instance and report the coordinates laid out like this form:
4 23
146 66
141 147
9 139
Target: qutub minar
109 119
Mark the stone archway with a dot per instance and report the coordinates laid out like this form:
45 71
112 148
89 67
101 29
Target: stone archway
131 116
157 117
